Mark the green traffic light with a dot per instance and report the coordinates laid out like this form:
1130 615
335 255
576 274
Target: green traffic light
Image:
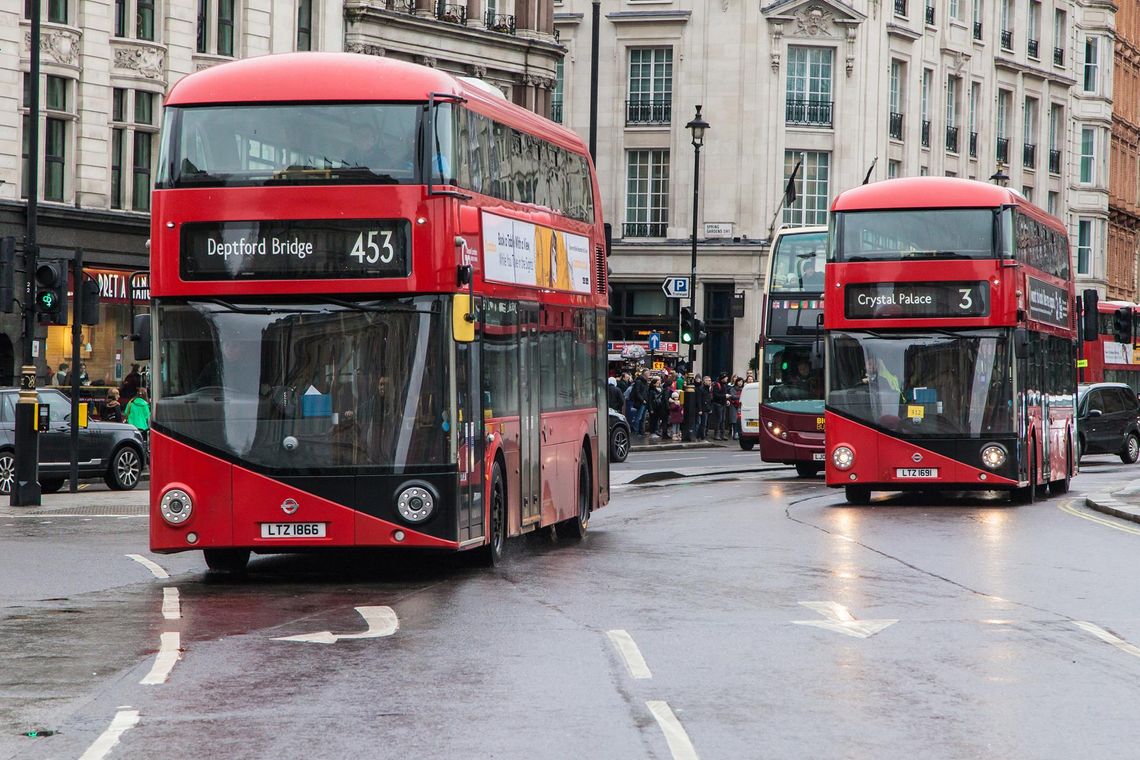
686 337
47 300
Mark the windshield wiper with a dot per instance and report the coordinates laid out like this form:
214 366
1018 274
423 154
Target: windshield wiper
254 309
353 306
934 255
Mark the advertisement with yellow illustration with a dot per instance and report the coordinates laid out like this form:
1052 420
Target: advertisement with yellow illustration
522 253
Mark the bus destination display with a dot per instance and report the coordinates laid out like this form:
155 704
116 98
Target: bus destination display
293 249
1048 303
905 300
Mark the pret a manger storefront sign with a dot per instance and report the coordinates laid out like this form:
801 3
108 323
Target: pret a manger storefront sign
521 253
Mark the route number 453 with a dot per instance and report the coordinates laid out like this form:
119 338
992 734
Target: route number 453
371 251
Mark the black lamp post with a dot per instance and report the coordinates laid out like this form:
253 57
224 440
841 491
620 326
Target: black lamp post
595 33
1000 177
697 127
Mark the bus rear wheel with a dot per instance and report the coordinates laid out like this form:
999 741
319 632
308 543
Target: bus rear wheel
1062 486
575 528
807 469
860 495
231 561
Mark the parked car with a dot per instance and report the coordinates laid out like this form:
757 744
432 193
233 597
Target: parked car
749 416
1108 421
619 436
114 451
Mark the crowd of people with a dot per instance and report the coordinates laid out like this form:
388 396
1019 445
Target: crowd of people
651 401
128 403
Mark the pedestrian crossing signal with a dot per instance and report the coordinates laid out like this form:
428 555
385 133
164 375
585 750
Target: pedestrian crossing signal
51 292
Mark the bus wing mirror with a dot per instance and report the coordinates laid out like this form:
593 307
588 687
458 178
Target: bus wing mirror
1021 343
462 318
141 336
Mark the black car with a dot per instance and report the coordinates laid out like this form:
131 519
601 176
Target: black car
619 436
1108 421
112 450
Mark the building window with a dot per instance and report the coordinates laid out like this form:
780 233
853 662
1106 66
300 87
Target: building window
809 86
143 13
1051 204
217 38
556 97
1058 37
953 84
1029 135
1056 135
956 10
1088 155
896 99
975 98
1091 64
647 193
650 86
1002 125
927 84
978 15
812 187
1032 48
1084 245
894 169
305 24
1027 193
132 145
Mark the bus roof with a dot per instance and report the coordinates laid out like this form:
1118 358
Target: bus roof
350 77
926 192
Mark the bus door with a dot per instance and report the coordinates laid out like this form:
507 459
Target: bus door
530 454
469 432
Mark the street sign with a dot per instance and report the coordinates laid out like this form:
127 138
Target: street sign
658 365
676 287
654 341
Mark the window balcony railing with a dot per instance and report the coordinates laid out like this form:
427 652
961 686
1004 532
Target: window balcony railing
452 14
977 30
900 8
815 113
557 36
645 111
1003 149
896 126
930 15
1029 156
952 139
973 145
1006 39
401 6
556 111
644 229
1031 47
500 22
926 133
1058 56
1054 162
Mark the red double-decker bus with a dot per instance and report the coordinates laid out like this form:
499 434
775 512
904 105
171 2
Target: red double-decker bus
378 303
951 360
1108 359
791 359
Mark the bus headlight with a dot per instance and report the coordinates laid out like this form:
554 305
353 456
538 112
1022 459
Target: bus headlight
415 503
176 506
993 456
843 457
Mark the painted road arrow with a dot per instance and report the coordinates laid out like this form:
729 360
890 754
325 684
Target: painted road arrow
840 620
382 621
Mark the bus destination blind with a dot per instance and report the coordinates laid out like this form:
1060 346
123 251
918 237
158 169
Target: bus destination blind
295 249
910 300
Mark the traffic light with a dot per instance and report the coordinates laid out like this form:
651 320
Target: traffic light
699 333
89 309
1122 325
1091 317
687 325
7 274
51 292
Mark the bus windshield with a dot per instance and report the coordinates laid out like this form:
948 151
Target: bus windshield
242 145
291 386
797 263
789 381
893 234
923 385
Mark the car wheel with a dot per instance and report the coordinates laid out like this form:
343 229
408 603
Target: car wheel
619 444
1131 451
125 469
860 495
747 444
491 553
7 472
575 527
231 561
51 485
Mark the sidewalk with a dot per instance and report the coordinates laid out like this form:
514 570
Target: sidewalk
1123 503
646 443
89 503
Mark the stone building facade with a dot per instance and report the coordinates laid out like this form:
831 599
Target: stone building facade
882 88
1124 176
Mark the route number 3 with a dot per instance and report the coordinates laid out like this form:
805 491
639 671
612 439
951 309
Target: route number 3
966 302
370 251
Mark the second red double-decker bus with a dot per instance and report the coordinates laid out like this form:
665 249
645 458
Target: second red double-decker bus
791 358
379 300
950 341
1112 357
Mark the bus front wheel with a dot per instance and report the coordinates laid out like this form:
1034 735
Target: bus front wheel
807 469
575 527
860 495
231 561
1028 494
491 553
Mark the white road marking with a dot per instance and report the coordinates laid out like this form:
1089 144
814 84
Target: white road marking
382 621
840 620
629 652
679 745
124 720
155 570
1105 636
171 609
168 654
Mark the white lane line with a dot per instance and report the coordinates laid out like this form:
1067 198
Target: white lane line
679 744
155 570
171 608
629 652
124 720
1105 636
382 621
168 654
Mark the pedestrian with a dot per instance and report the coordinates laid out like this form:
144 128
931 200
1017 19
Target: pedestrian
112 409
639 400
613 395
130 384
704 408
61 376
138 411
84 378
676 416
662 409
734 392
719 407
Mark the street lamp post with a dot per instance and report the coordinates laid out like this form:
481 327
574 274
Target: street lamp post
1000 177
697 127
595 33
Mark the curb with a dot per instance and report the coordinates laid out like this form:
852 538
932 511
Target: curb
657 476
1102 502
673 446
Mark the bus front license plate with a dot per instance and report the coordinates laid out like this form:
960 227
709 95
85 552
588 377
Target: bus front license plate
293 530
916 472
817 456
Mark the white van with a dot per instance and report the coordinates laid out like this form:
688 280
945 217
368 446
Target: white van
749 416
